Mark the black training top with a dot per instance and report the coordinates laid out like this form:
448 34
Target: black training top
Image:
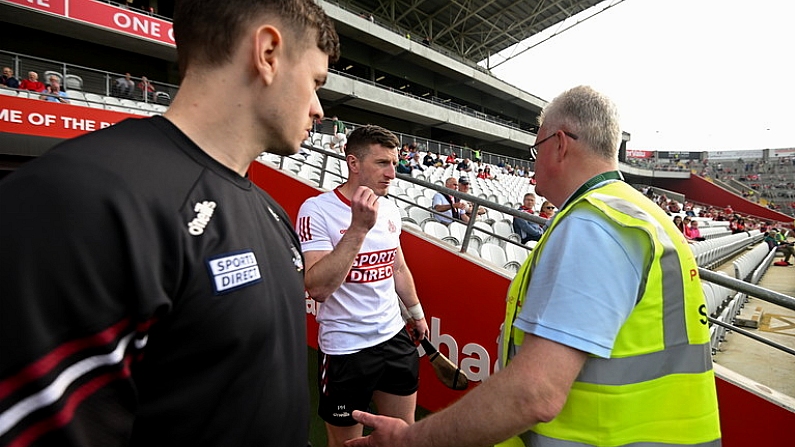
148 296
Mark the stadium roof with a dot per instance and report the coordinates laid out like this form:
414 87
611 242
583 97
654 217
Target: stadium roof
472 29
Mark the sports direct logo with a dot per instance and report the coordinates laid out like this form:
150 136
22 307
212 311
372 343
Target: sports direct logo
374 266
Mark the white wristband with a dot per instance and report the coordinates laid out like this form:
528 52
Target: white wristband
416 312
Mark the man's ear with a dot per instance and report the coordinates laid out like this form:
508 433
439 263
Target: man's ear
268 48
563 149
353 162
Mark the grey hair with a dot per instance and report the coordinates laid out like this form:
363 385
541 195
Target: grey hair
592 116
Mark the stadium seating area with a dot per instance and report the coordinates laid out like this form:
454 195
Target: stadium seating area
491 237
86 86
96 101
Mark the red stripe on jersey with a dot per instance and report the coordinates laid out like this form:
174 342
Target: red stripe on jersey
65 415
45 364
304 230
341 197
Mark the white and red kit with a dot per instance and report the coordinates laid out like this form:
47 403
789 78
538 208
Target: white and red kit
364 311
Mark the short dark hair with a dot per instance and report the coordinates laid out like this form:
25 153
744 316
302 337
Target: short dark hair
361 138
208 31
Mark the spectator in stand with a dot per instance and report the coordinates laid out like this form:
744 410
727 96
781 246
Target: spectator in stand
415 162
527 230
403 166
53 78
679 224
147 88
547 210
8 78
439 162
662 202
404 152
32 83
450 160
466 213
340 137
674 207
481 174
692 233
687 229
429 160
449 206
464 165
125 86
776 241
54 93
737 225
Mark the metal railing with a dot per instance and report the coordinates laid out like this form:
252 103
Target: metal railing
725 311
85 79
428 145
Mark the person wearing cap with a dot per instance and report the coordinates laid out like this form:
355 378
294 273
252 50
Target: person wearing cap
466 213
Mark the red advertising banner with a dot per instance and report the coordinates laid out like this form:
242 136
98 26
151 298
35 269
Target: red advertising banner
123 20
639 154
52 119
52 6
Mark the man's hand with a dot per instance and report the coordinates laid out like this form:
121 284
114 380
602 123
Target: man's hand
364 208
387 432
419 330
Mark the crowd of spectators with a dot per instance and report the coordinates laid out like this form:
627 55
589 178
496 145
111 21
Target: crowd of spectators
52 91
770 182
684 217
411 158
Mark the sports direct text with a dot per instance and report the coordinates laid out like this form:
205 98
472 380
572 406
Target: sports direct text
373 266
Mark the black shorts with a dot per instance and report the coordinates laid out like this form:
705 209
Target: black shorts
347 382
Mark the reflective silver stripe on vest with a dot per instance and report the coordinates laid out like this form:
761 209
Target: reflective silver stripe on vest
532 439
682 359
673 283
685 357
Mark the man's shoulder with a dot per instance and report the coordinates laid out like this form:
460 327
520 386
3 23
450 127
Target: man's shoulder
132 152
321 200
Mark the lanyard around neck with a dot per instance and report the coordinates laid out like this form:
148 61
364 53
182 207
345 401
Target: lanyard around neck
609 175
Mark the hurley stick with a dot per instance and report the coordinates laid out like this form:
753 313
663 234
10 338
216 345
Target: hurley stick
446 371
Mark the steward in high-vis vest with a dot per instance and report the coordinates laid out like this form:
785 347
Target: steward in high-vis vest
657 388
605 339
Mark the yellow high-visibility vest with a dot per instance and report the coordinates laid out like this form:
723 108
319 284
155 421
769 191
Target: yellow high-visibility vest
658 386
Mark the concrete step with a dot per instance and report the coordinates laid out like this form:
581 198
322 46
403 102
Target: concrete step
750 317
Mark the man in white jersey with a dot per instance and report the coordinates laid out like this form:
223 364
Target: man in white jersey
354 266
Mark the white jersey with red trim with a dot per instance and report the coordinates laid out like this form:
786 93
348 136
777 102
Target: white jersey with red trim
364 311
